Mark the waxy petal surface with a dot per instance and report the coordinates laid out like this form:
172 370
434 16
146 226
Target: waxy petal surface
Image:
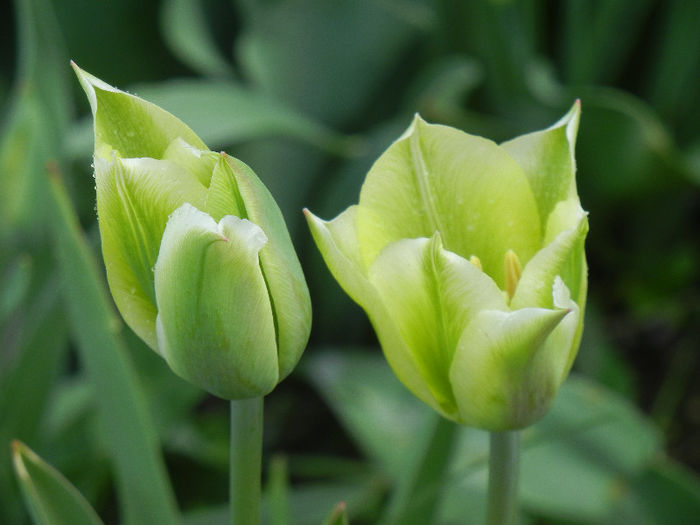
289 294
129 124
437 178
431 295
337 242
215 322
134 199
494 373
547 158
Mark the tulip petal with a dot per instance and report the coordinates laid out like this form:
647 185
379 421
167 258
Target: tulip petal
198 162
129 124
337 242
134 200
547 158
215 322
561 346
563 256
495 373
289 294
223 197
437 178
433 294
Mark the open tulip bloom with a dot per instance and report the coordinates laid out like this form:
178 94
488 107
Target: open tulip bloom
468 257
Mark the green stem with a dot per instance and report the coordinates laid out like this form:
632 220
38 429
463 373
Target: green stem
245 460
503 478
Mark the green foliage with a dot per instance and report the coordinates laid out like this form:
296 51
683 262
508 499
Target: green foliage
309 93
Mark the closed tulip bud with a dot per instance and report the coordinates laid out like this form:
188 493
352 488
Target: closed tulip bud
198 258
468 258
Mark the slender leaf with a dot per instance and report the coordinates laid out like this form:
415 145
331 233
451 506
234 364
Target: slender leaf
572 461
50 497
145 494
185 31
26 383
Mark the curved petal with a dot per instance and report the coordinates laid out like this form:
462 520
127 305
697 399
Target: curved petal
134 199
337 242
437 178
289 294
547 158
129 124
215 323
563 256
495 375
431 295
198 162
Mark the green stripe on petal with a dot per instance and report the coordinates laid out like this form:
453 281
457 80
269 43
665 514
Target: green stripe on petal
433 294
223 197
437 178
134 199
337 242
547 158
129 124
215 323
494 374
289 294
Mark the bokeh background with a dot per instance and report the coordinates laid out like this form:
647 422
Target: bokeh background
309 93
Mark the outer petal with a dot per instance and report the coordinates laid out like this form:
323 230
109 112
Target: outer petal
289 294
547 158
563 256
129 124
431 295
495 377
134 199
437 178
215 323
337 242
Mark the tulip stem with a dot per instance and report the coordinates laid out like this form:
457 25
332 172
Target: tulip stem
245 460
504 458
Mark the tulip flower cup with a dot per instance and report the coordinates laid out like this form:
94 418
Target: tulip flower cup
468 258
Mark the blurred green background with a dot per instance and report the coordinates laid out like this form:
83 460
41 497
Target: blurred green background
309 93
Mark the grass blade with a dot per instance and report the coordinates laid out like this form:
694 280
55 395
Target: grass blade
51 498
145 494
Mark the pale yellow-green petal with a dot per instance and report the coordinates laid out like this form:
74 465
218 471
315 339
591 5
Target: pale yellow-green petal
223 197
561 346
134 199
129 124
547 158
437 178
289 294
494 377
215 323
563 256
431 295
337 242
198 162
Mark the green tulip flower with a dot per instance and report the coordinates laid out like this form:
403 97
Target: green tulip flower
198 258
468 258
